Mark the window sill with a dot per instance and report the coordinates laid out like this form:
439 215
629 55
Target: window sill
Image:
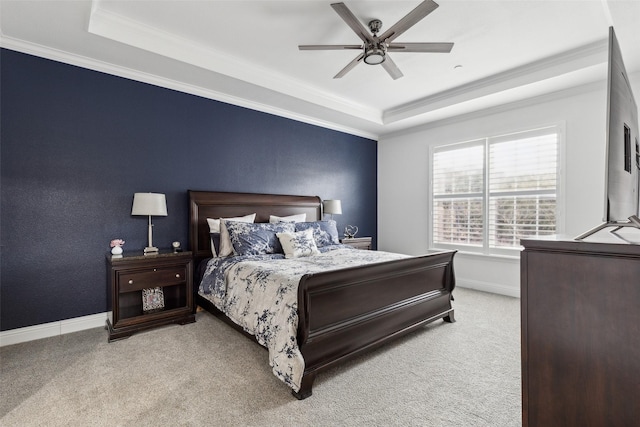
515 258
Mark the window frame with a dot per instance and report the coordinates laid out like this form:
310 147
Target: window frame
485 249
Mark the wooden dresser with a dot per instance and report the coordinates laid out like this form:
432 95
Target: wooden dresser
580 333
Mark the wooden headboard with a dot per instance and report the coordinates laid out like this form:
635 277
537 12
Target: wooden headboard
211 204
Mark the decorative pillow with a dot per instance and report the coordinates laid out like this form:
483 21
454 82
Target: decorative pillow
226 248
298 244
214 234
214 225
256 239
325 233
291 218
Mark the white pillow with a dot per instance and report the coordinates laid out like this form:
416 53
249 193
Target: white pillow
298 244
291 218
216 227
214 235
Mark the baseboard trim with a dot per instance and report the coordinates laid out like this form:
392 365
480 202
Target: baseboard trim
52 329
489 287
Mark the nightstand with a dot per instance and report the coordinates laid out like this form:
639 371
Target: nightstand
133 274
358 242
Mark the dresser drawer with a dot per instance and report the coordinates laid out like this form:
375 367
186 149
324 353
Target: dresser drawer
150 278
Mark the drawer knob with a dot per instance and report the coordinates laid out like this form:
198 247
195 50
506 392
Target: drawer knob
178 276
131 282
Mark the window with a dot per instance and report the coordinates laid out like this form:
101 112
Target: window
489 193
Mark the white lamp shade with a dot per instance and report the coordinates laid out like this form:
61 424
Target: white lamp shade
149 204
333 207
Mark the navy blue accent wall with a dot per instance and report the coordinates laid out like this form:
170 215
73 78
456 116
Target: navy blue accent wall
76 144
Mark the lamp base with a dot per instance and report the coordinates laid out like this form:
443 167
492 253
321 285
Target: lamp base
150 250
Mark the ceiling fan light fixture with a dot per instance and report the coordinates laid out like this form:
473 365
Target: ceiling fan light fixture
374 50
374 56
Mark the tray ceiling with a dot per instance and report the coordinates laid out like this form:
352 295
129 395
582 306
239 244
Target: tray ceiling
245 52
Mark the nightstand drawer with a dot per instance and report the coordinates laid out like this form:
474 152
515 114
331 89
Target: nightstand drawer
358 242
163 276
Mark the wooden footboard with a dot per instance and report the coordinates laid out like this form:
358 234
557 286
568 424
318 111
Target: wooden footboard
344 312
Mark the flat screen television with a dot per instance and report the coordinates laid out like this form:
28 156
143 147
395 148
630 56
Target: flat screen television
623 150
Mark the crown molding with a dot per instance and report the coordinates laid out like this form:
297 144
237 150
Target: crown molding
502 108
134 33
547 68
128 73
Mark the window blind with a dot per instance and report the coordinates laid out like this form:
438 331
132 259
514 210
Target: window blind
522 189
458 195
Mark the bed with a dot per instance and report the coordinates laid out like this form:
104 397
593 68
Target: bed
342 312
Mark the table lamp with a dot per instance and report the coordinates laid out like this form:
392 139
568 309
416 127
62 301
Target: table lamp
149 204
332 207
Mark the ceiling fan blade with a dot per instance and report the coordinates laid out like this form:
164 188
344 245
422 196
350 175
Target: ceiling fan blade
329 46
422 10
353 22
392 68
420 47
349 66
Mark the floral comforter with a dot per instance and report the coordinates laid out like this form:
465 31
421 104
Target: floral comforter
260 293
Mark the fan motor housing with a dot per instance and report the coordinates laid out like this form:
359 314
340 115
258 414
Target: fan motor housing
375 25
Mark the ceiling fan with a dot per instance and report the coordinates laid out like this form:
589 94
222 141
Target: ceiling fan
375 48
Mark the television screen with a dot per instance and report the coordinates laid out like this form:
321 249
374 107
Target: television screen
622 148
622 141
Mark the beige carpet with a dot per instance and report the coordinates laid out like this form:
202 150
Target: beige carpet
205 373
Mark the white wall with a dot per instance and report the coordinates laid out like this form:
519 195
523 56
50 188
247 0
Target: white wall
403 174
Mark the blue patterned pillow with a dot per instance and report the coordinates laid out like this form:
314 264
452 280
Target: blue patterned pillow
324 232
257 238
298 244
220 243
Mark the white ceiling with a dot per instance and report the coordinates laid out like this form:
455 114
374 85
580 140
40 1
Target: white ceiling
245 52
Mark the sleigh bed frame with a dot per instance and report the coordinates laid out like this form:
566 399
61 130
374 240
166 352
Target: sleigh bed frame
344 312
